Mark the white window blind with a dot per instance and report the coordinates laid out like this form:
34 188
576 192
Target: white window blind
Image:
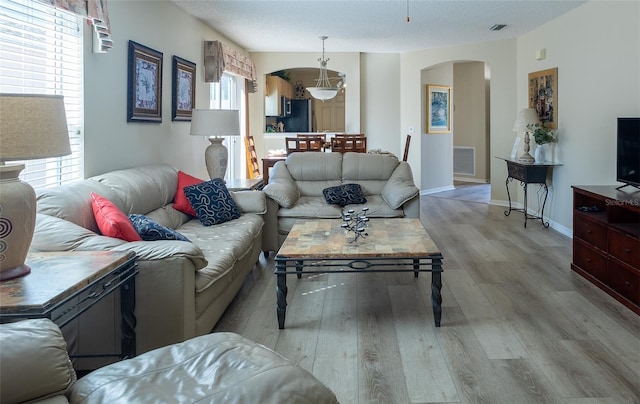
41 53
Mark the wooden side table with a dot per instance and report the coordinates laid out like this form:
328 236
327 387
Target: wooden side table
532 173
63 285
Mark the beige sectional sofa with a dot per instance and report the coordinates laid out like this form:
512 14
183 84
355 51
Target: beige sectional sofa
295 189
182 288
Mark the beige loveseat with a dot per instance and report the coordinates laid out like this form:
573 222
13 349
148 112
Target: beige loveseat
295 189
215 368
182 288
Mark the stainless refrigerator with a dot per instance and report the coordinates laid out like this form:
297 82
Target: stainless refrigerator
300 119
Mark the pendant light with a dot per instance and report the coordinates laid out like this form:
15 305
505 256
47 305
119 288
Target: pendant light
323 89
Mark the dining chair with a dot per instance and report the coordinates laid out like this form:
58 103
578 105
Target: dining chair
303 144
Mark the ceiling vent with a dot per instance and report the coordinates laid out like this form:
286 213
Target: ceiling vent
498 27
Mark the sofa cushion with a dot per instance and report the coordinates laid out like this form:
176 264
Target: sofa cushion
34 363
55 234
72 202
344 195
111 221
310 207
214 368
400 187
222 245
150 230
212 202
180 201
140 189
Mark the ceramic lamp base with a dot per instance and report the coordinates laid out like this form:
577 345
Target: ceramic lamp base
17 221
216 157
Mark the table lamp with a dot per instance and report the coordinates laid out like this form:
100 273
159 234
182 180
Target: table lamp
31 127
214 123
526 117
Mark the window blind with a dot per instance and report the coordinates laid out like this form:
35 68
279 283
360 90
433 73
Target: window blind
41 53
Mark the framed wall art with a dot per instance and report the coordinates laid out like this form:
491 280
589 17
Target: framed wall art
543 96
438 109
144 84
183 89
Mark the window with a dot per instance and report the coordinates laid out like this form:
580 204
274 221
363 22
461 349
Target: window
227 94
41 53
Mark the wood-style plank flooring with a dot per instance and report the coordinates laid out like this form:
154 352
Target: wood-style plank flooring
518 326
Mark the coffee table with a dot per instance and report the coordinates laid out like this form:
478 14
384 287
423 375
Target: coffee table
391 245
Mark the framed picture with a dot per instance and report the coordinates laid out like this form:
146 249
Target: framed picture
438 109
144 84
183 89
543 95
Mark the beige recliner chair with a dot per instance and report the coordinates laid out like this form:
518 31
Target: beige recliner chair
219 367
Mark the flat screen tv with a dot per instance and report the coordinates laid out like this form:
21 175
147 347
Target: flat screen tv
628 155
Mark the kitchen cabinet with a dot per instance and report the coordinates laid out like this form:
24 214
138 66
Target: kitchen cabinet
275 89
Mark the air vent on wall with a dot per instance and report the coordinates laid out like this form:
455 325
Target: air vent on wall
498 27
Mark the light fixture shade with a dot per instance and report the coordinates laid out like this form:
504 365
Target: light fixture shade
32 126
526 116
215 122
323 90
323 93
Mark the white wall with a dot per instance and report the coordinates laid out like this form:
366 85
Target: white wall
596 49
380 107
110 141
469 115
437 149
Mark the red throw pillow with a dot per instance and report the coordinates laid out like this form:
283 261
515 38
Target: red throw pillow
180 201
111 221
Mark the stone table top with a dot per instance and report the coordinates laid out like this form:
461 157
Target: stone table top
387 238
55 276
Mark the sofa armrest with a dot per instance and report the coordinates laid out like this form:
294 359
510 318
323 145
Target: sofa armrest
34 361
250 201
55 234
400 187
282 187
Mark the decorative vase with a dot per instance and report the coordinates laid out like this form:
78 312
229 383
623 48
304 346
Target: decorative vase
539 154
215 158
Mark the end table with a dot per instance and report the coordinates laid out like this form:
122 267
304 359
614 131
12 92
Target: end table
63 285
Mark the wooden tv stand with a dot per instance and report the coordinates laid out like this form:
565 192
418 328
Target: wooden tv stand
606 241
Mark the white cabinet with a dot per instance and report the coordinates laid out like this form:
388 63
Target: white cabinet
275 89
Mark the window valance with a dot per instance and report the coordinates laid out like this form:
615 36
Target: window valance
219 58
95 11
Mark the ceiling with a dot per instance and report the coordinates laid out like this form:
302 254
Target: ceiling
370 25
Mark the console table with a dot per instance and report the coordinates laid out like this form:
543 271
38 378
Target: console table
528 173
63 285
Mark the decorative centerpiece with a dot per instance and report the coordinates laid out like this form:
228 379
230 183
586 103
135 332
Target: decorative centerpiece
355 223
542 136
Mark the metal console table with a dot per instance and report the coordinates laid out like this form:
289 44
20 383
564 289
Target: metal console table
528 173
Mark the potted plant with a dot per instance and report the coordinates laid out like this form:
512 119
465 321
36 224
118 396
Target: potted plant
542 136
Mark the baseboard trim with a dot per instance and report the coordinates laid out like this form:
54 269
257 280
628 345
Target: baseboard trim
554 225
474 180
436 190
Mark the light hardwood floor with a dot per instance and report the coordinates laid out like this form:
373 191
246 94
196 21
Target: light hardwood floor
518 326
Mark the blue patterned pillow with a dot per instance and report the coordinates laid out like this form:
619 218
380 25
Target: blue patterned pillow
212 202
150 230
345 194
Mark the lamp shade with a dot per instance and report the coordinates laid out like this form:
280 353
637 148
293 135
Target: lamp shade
32 126
215 122
526 116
